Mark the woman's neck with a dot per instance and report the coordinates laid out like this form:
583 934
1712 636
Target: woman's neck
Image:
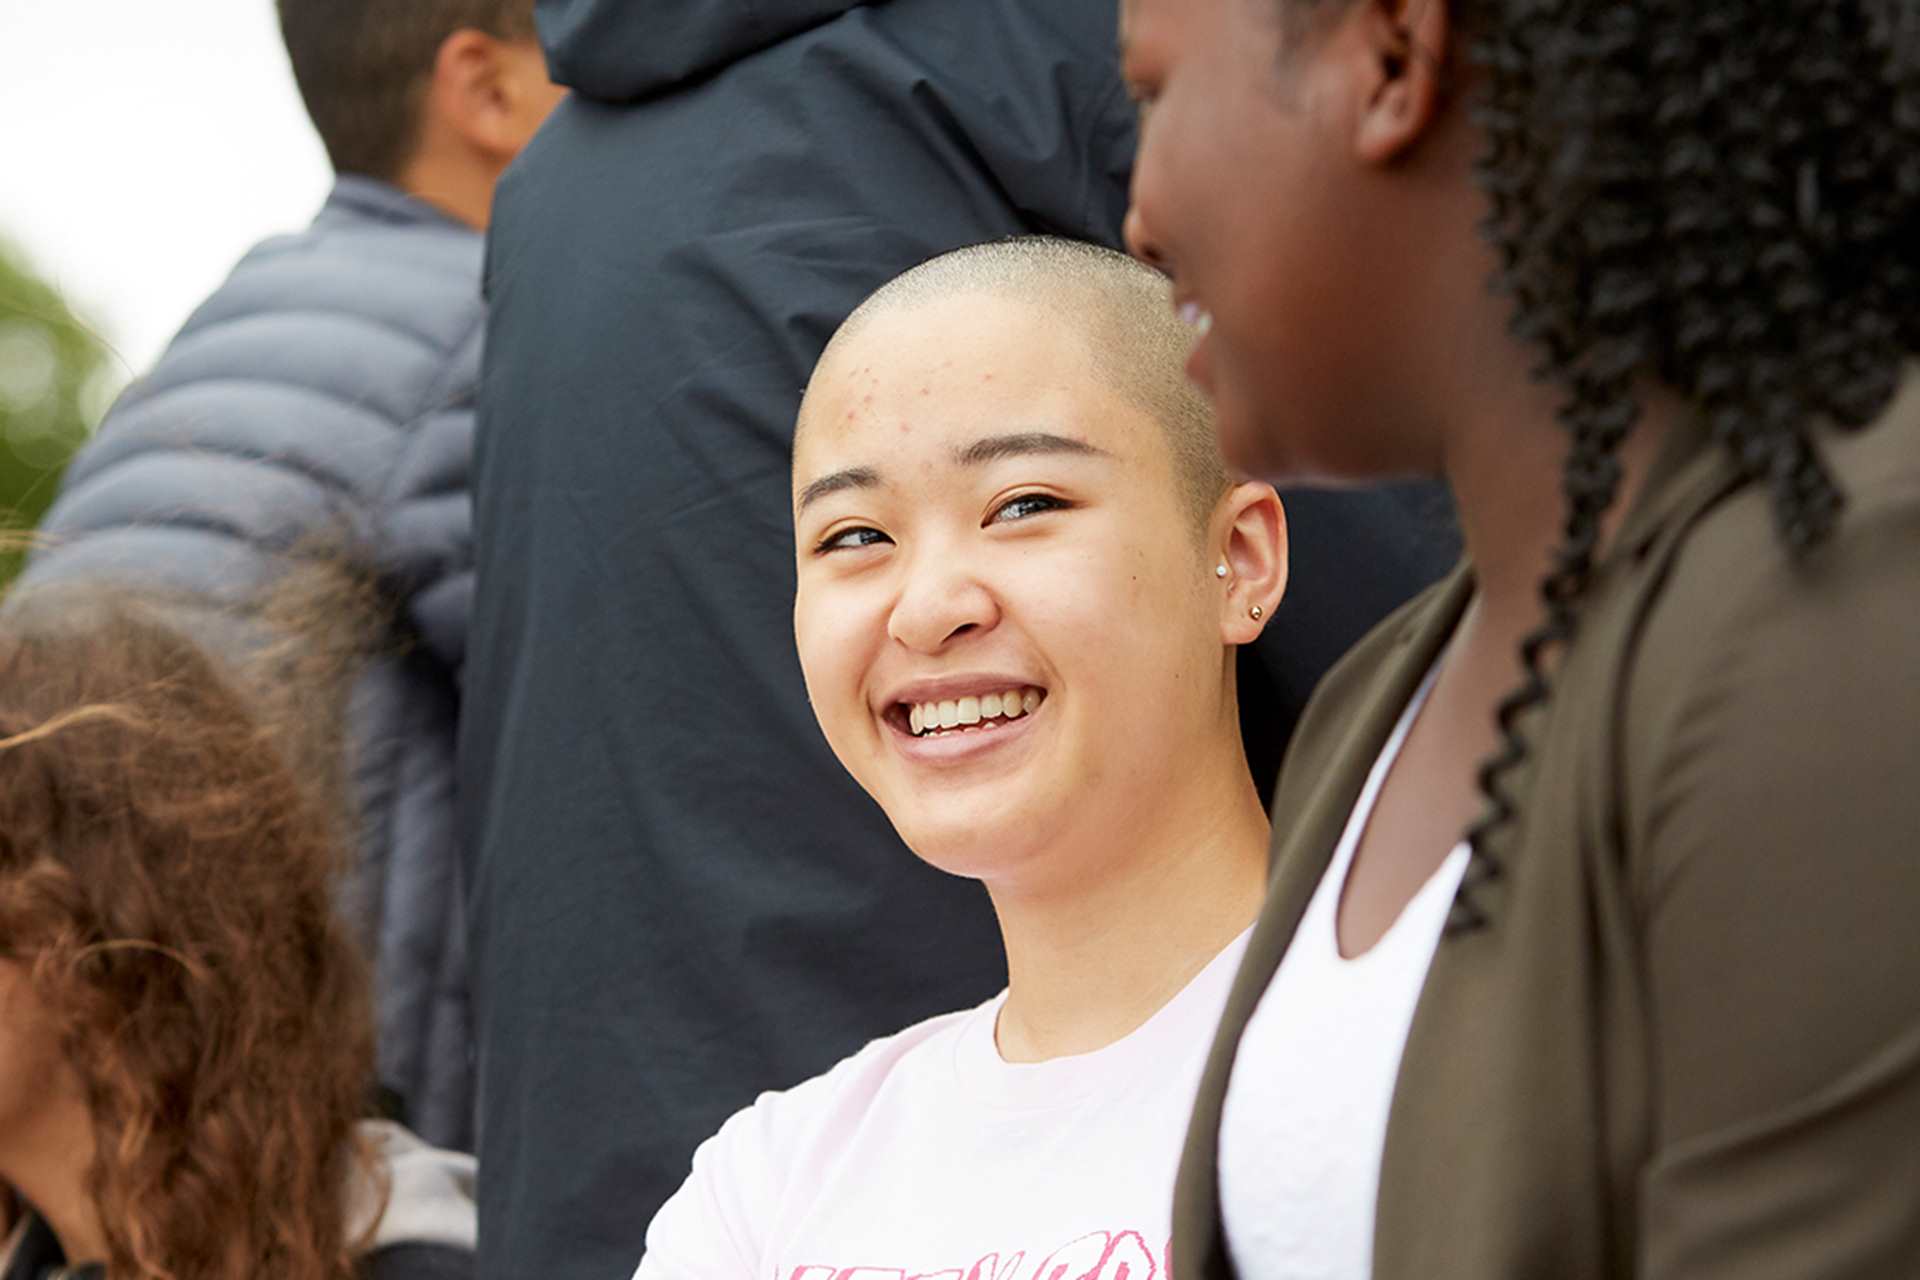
47 1165
1088 964
1505 468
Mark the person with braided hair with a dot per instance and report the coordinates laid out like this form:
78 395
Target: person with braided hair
1589 946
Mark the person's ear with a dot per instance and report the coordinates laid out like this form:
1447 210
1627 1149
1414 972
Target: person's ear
1407 46
492 93
1252 536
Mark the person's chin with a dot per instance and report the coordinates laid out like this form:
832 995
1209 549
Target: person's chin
974 849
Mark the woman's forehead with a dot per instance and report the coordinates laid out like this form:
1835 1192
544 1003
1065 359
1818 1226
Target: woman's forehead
936 376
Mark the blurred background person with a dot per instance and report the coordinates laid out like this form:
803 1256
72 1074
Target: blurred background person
679 899
1590 947
186 1048
329 384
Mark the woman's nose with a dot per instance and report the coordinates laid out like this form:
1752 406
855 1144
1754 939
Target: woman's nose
938 605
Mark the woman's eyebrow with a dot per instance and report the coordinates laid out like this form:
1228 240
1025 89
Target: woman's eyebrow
1023 444
835 482
1017 444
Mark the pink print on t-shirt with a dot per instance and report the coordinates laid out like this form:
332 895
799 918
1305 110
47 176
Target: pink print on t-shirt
1103 1255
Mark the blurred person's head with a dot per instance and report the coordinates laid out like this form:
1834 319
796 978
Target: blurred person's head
185 1038
1455 236
1023 572
434 96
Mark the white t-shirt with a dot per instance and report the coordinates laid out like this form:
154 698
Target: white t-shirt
1304 1122
927 1155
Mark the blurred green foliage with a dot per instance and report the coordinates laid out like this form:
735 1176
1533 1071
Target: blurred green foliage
51 371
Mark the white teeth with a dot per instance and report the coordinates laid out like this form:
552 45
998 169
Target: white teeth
987 709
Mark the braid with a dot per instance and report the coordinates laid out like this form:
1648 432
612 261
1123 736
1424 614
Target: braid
1724 196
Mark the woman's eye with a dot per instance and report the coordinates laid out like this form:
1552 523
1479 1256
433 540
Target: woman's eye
1027 504
851 540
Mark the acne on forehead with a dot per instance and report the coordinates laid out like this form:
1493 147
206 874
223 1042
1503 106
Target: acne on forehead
980 360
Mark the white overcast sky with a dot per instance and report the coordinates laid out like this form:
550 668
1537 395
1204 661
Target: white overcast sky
144 145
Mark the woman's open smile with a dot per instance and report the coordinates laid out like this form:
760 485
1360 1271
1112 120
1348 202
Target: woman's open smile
961 718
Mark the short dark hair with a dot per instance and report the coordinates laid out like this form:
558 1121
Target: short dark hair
363 66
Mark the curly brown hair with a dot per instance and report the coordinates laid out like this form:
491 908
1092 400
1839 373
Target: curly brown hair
167 882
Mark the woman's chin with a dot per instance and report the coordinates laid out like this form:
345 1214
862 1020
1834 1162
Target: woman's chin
989 847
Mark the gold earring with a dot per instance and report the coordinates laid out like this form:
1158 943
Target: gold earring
1257 612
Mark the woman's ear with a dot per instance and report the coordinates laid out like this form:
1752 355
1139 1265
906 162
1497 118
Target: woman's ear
1406 47
1253 541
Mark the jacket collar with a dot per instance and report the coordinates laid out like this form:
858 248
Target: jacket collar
1687 466
358 198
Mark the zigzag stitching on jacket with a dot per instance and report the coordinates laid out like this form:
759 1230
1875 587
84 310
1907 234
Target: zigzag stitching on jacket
321 479
396 423
195 331
268 545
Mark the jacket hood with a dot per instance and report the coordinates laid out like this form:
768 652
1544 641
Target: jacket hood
620 50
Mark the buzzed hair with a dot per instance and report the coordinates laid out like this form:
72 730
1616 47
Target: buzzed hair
1120 307
363 67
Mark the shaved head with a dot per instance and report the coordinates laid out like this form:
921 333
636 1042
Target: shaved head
1119 309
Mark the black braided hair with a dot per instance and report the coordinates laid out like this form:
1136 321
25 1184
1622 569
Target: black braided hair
1723 194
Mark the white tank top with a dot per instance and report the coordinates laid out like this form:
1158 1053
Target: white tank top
1305 1117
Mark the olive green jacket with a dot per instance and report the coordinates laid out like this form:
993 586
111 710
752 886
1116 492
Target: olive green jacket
1688 1042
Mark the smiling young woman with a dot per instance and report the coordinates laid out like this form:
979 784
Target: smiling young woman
1023 577
1645 750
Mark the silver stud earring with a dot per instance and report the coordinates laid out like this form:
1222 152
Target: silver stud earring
1220 571
1257 612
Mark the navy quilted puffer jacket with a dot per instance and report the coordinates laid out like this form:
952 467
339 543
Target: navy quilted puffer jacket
328 385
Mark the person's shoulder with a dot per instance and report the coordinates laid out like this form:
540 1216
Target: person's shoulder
1728 583
374 258
1755 686
794 1117
363 213
745 1176
776 1131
